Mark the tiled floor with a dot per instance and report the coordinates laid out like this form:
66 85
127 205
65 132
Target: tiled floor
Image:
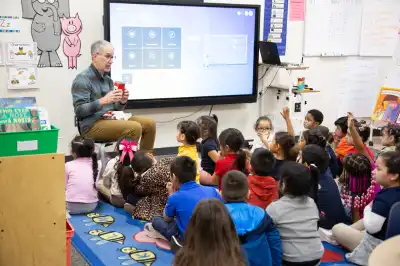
76 258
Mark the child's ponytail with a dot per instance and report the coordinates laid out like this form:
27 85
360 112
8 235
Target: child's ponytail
315 189
215 117
315 183
95 167
125 175
241 162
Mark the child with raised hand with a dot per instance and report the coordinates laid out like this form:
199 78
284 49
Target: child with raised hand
284 148
263 187
184 194
313 118
296 215
231 143
188 134
209 147
80 177
357 136
257 233
210 238
390 137
264 130
361 243
329 200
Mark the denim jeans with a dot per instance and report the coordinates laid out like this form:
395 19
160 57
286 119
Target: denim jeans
166 229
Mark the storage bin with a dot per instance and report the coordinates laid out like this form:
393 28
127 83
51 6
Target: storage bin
28 142
70 234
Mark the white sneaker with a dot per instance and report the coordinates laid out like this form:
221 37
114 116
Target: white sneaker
326 235
152 233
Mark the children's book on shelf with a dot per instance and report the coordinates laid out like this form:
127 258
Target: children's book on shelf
19 119
19 102
387 107
43 115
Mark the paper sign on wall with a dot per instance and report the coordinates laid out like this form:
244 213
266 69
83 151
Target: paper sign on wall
22 78
9 24
22 52
297 10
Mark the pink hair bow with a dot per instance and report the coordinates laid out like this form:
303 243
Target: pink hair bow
127 147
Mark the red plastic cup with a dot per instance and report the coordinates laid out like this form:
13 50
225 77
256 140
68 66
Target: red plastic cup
120 85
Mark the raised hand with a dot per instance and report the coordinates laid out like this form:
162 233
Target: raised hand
285 113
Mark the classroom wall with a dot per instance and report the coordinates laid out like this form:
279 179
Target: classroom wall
54 93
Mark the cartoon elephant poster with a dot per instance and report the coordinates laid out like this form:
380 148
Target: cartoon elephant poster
46 27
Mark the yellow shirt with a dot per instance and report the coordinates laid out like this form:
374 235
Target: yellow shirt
191 151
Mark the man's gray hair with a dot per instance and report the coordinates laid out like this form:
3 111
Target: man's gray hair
98 46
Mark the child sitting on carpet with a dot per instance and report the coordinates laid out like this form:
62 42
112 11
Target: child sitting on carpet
284 148
210 238
296 216
313 118
319 136
262 186
184 194
257 233
329 200
188 134
107 184
209 147
357 184
80 177
264 129
357 136
361 243
231 142
390 137
142 181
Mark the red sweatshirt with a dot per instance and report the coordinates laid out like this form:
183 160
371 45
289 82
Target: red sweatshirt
263 190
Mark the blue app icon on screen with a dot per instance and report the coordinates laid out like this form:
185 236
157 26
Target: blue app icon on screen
132 37
171 38
171 58
132 59
152 37
152 58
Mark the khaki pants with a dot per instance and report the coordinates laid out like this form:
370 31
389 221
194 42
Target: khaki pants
349 236
136 127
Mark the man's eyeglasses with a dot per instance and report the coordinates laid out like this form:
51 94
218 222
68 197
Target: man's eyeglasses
108 57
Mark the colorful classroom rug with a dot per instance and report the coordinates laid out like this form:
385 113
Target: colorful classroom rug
109 236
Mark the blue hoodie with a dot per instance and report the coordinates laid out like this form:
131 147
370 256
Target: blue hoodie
257 233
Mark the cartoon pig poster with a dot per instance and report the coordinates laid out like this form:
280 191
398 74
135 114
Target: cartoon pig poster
71 28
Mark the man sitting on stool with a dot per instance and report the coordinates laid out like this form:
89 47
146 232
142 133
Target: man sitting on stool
93 95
